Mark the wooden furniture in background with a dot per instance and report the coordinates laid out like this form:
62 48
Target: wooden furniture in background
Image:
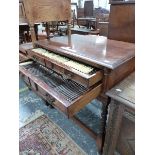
122 21
80 14
102 22
99 16
46 11
88 8
24 36
74 8
87 14
22 16
103 28
22 22
120 132
24 28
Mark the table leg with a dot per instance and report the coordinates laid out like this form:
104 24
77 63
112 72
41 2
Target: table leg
36 30
101 136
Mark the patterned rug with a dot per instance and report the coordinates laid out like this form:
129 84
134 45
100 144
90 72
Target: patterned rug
43 137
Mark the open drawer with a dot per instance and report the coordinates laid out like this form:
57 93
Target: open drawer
66 67
65 95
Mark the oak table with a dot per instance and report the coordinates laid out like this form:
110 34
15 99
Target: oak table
113 60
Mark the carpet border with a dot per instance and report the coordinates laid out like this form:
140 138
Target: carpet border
58 127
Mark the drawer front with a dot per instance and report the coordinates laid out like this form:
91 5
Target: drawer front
67 97
86 80
52 101
22 57
33 85
49 65
36 58
42 91
39 60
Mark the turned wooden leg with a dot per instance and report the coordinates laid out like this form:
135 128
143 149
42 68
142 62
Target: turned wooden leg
33 36
36 30
101 136
48 30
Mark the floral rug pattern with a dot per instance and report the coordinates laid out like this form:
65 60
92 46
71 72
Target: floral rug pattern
43 137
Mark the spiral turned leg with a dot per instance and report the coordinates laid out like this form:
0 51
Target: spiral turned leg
101 136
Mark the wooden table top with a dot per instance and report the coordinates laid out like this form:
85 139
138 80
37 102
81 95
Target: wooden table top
25 46
98 50
124 92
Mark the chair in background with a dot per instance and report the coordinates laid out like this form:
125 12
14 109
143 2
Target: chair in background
88 8
88 14
102 20
38 11
102 23
74 8
23 26
24 35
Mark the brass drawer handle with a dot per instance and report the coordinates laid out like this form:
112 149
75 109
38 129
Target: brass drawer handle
68 75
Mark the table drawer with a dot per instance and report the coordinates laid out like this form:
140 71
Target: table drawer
68 72
66 95
36 58
22 57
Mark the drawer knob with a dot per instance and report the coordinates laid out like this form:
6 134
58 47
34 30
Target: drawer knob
68 76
